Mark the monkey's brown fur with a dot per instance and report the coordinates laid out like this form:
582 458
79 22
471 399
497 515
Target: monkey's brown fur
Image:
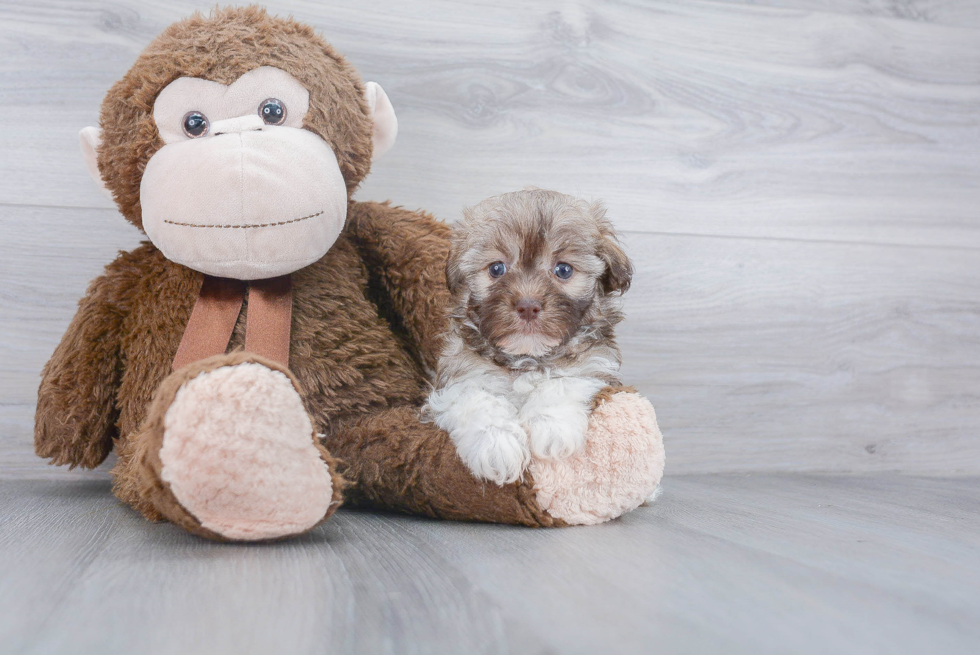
366 317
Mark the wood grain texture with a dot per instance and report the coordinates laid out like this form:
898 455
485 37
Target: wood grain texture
957 13
711 118
691 117
733 564
797 181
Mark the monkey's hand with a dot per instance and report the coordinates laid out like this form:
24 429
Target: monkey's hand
75 418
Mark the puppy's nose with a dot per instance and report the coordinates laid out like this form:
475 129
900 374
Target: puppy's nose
528 308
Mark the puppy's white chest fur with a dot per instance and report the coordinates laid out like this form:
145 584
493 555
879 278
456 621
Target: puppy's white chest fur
531 390
524 384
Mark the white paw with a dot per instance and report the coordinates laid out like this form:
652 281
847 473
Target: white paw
557 433
495 453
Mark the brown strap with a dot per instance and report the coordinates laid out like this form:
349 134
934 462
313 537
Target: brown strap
212 320
270 312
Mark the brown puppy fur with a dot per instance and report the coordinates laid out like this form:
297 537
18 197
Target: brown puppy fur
365 318
534 276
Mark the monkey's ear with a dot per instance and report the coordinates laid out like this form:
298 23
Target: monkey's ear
383 115
90 138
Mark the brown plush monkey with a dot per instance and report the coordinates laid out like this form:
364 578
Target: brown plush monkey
270 318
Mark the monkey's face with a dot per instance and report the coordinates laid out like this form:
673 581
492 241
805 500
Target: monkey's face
240 189
235 142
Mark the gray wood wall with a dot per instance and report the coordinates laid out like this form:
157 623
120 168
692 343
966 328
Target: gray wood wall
798 182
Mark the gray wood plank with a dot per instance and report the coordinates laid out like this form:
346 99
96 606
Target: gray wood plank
737 564
758 565
107 581
800 356
956 13
705 118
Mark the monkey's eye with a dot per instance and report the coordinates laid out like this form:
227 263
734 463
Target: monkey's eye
195 124
563 270
497 269
272 111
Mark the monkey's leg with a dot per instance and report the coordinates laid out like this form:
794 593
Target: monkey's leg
228 452
393 460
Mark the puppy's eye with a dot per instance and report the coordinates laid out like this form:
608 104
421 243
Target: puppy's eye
195 124
272 111
497 269
563 270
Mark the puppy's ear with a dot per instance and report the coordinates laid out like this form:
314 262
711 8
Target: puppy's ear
454 273
454 276
459 244
619 269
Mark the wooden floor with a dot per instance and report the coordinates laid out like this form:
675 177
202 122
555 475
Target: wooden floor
731 564
798 184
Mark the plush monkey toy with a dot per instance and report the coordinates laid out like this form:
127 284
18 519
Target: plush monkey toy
264 355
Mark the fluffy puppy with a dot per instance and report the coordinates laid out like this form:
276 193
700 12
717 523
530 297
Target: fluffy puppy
535 277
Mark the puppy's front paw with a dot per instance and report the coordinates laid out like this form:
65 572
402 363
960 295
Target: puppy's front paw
557 434
495 453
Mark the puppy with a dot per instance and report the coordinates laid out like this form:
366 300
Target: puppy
534 277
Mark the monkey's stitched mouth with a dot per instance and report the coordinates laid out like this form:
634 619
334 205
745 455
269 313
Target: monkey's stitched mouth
235 227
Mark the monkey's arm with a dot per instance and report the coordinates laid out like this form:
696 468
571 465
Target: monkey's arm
76 403
406 252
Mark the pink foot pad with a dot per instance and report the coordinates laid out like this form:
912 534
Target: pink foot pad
620 467
238 454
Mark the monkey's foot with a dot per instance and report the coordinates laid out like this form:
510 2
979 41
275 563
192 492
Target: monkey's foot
619 468
232 454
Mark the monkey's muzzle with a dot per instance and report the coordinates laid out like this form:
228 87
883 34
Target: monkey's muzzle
245 204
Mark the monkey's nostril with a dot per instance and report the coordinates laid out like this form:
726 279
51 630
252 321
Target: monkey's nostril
528 309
